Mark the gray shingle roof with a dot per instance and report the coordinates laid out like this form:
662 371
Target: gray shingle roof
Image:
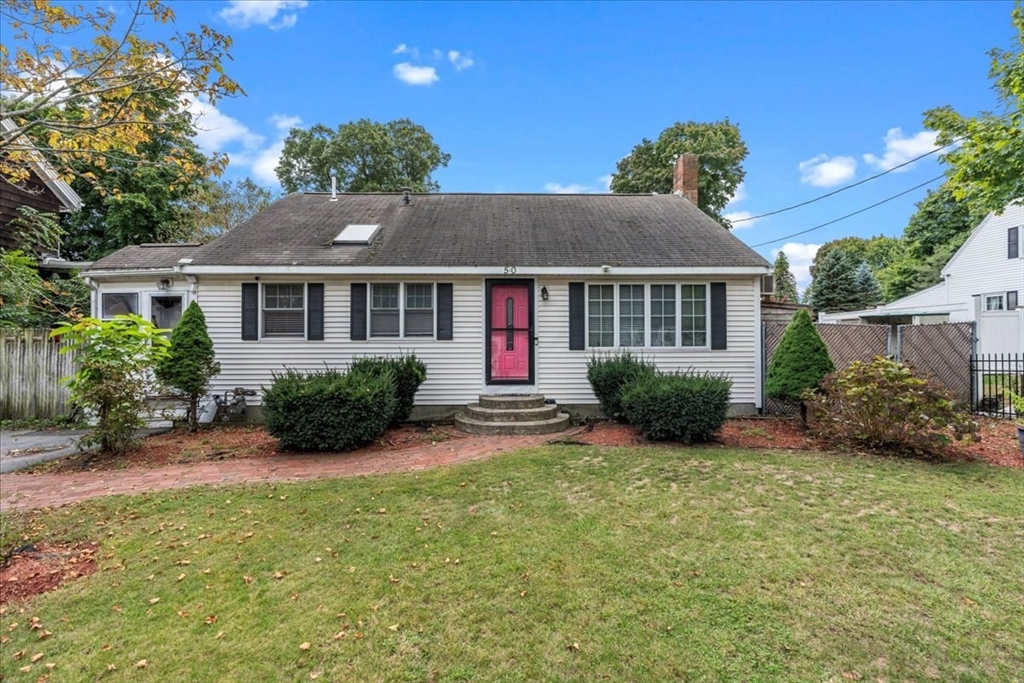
477 230
146 256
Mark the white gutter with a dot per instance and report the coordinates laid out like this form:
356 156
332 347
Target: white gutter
493 271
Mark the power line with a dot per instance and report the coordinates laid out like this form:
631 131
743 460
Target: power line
866 180
849 215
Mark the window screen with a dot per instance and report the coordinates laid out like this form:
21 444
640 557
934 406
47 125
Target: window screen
419 310
284 311
384 310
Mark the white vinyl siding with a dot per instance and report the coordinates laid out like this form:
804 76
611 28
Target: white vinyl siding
284 310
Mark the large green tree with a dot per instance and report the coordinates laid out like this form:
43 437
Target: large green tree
987 168
868 290
367 156
785 281
835 283
648 167
219 206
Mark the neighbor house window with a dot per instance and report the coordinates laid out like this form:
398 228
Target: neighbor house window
419 310
994 302
631 315
601 315
284 312
663 315
1013 243
120 304
693 305
384 306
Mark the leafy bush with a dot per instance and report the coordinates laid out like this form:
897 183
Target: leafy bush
800 362
610 375
678 406
191 363
328 410
113 377
884 405
407 373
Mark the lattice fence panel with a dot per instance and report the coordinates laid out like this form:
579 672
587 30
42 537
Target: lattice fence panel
845 343
943 351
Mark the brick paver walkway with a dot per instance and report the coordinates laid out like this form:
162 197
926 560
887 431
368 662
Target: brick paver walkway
19 491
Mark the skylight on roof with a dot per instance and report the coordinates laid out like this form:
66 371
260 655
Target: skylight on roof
357 234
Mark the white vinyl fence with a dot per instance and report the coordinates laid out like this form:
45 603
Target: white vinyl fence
30 372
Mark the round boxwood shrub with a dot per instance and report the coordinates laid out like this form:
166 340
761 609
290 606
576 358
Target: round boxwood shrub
610 375
407 372
328 410
683 407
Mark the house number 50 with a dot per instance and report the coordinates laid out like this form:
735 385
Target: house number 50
510 270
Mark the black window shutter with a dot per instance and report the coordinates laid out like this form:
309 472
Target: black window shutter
1013 243
718 315
357 314
315 312
577 323
250 311
1011 300
444 311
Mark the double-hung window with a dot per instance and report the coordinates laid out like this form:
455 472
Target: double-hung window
631 315
601 315
419 310
398 310
384 310
663 315
693 315
284 310
1013 242
994 302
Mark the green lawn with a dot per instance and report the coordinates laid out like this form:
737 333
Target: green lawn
560 563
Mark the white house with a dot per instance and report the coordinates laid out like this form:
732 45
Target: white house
982 283
496 293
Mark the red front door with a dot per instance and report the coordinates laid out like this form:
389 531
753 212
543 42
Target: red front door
509 325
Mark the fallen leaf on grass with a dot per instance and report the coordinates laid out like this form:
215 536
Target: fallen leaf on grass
36 657
304 646
141 664
25 669
153 601
45 634
181 576
111 667
220 634
247 579
575 647
19 654
210 619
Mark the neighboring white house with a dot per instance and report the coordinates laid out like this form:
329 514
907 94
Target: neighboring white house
982 283
496 293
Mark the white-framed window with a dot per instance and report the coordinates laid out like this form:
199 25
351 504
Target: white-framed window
419 310
400 310
693 315
619 315
601 315
995 302
118 303
663 315
284 310
631 315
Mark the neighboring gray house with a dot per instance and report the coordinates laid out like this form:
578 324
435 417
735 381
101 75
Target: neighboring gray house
982 283
496 293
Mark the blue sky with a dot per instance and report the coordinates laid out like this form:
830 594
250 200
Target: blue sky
536 97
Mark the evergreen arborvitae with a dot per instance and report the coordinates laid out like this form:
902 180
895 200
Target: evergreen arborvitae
191 364
867 287
800 362
785 283
835 284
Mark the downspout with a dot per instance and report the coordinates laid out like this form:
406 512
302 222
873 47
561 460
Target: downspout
94 291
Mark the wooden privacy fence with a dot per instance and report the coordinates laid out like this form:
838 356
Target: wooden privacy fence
31 368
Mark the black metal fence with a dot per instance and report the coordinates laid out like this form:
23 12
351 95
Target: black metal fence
993 378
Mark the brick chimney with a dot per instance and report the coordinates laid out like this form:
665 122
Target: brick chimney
684 177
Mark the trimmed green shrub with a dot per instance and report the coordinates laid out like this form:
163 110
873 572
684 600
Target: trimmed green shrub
800 362
682 407
191 364
407 373
328 410
610 375
883 405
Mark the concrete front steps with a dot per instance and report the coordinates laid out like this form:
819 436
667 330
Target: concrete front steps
517 415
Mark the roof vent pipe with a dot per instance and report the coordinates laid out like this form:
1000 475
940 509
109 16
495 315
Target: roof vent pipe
334 187
405 195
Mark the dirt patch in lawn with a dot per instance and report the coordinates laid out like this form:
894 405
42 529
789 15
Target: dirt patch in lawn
35 569
998 444
229 443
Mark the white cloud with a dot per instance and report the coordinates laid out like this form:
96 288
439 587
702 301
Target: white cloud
273 14
900 149
216 131
800 257
602 185
416 75
740 219
739 195
459 60
823 171
404 49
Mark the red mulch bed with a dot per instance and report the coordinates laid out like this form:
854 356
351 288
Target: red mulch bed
37 569
998 445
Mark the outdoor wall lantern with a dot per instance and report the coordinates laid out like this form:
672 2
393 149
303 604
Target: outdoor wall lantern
164 284
544 293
